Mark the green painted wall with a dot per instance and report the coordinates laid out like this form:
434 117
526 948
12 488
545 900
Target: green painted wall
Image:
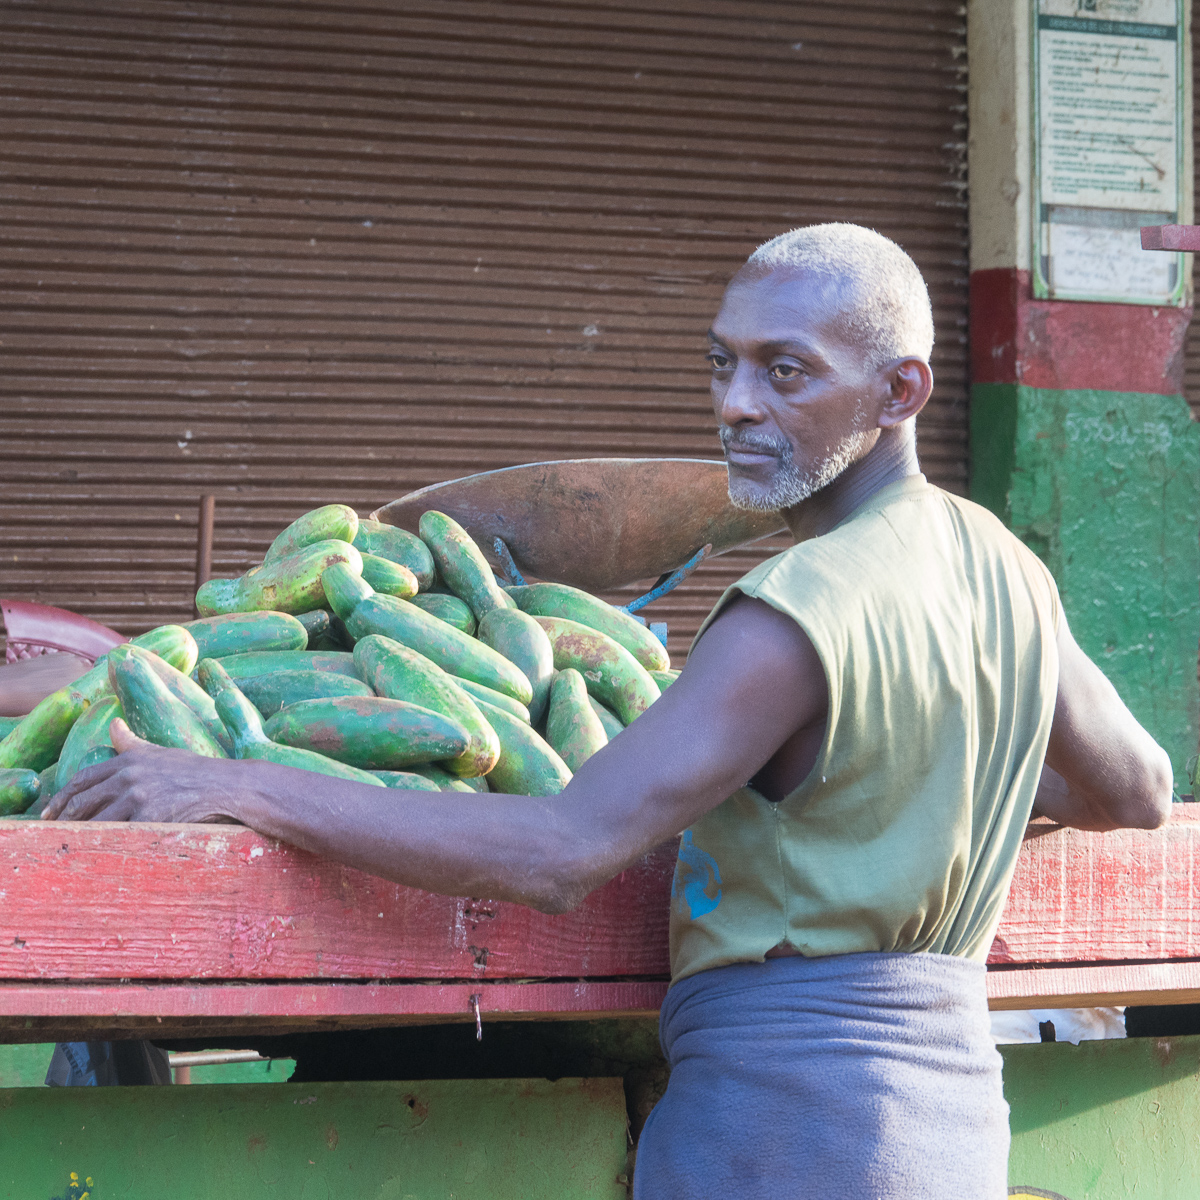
1105 488
479 1139
1115 1120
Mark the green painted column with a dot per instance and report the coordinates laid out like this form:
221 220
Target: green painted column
1105 488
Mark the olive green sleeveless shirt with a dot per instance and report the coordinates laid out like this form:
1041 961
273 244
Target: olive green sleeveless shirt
936 629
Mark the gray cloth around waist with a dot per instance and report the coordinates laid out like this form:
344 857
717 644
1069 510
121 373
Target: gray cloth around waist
853 1077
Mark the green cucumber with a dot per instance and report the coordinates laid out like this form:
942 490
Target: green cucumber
524 643
371 732
265 662
461 564
664 679
611 673
561 600
453 651
406 779
529 765
478 692
389 578
447 608
90 731
19 789
452 783
269 693
290 585
152 711
250 742
398 546
97 754
38 738
608 718
572 728
47 783
315 622
184 688
331 521
396 671
237 633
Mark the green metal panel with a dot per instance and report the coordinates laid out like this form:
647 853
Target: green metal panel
1105 488
1113 1120
26 1065
507 1139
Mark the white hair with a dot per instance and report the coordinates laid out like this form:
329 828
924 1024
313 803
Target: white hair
887 308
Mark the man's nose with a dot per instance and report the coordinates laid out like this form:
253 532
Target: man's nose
741 403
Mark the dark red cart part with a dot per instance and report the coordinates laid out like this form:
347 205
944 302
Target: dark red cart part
1171 237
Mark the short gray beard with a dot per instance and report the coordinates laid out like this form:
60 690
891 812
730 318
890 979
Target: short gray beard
791 486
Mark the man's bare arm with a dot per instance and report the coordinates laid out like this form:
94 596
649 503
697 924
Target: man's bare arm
1103 770
752 682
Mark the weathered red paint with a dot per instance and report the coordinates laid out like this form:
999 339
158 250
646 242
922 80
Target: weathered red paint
229 930
1171 237
1066 344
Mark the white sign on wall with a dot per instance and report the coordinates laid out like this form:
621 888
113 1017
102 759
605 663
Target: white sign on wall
1108 147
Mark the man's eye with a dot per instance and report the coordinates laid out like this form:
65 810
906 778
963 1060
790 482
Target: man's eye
718 362
785 371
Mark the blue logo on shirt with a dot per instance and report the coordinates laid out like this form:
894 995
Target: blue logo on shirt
697 881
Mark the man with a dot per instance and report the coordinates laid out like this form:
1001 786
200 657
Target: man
853 750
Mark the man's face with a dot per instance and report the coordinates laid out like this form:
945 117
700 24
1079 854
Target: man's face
795 399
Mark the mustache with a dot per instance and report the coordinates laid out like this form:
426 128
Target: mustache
756 443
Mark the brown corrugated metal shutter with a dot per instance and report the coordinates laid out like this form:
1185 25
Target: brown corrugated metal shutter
306 252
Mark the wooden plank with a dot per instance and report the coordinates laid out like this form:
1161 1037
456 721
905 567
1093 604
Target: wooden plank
40 1012
97 901
112 901
1095 986
1087 897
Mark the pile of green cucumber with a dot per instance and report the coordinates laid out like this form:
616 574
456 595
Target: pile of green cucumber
360 650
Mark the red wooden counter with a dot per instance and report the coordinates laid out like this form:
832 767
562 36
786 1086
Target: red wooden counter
196 930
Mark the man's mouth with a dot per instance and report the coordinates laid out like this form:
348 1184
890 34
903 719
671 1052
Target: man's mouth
747 456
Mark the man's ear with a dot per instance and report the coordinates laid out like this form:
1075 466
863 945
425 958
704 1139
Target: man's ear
910 384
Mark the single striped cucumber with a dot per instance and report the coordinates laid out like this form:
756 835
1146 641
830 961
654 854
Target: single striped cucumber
664 679
269 693
336 522
478 692
315 624
373 732
611 673
524 643
38 738
561 600
290 585
454 652
19 789
446 782
608 718
238 633
152 711
447 608
398 546
389 578
250 742
406 779
461 564
572 728
47 784
529 765
266 662
399 673
182 687
90 731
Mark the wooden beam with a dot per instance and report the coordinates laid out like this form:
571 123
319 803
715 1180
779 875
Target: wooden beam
1095 986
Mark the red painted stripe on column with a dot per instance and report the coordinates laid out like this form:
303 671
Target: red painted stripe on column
1070 344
